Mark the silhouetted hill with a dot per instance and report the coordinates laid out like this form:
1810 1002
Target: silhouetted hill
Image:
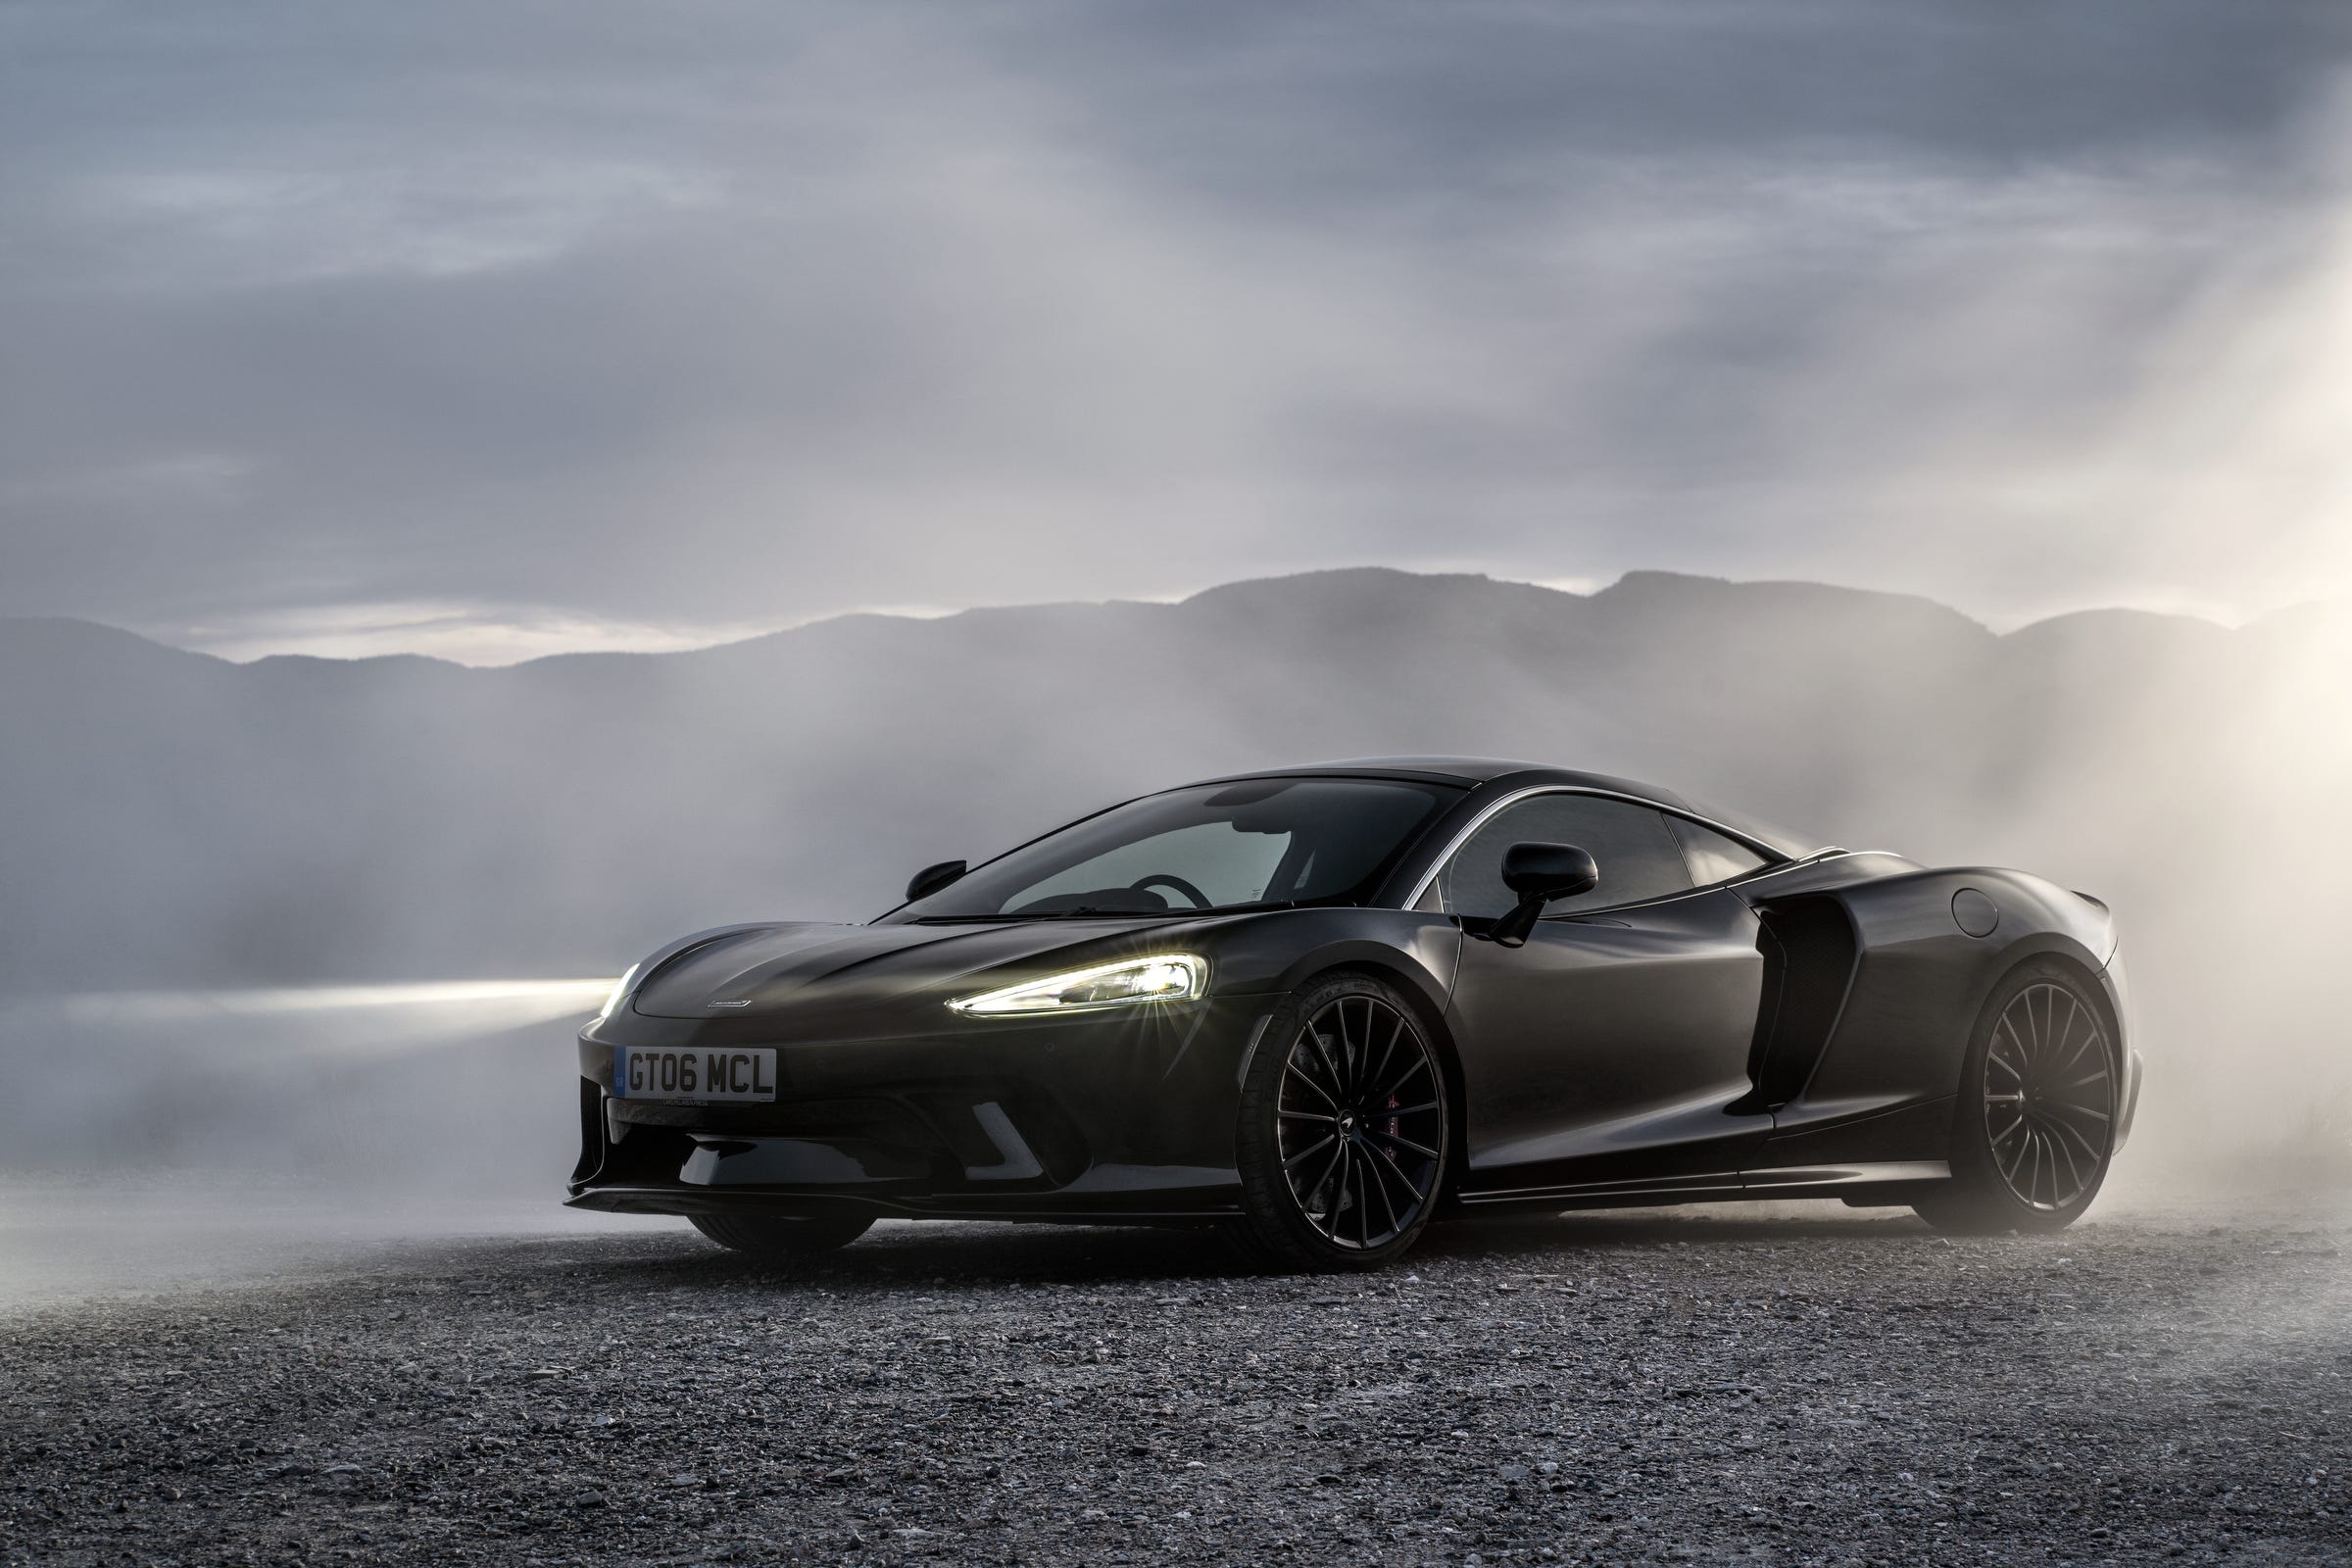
174 820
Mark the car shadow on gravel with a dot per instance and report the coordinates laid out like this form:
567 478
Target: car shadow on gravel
936 1253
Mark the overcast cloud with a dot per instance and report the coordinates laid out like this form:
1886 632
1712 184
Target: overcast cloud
492 329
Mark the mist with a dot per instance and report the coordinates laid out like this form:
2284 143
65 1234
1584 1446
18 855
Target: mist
346 336
335 923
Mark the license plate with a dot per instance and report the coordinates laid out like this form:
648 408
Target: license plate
639 1074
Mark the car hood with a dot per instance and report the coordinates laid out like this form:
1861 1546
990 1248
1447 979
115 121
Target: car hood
756 969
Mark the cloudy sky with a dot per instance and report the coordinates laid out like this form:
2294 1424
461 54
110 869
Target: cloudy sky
491 329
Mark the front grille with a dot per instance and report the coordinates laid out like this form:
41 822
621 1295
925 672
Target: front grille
881 1121
944 1133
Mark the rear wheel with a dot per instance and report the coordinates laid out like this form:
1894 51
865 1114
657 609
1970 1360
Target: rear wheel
2035 1123
779 1238
1343 1129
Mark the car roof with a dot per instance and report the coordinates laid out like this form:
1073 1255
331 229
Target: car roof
1476 772
1471 770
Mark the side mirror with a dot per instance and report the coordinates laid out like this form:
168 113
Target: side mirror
1539 873
931 878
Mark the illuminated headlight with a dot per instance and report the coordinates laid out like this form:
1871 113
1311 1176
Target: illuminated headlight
620 992
1163 977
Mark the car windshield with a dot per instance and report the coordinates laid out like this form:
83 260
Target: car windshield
1271 841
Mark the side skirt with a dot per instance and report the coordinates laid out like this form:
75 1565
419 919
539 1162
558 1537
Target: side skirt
1797 1181
1806 1181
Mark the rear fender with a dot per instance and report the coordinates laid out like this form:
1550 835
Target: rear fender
1920 979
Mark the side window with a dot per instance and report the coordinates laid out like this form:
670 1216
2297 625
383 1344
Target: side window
1638 857
1713 857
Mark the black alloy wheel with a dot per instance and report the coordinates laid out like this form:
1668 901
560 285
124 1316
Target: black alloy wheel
2049 1096
2035 1124
1344 1128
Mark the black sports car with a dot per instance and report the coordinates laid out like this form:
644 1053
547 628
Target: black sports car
1322 1006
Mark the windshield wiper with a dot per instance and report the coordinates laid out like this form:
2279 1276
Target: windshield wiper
1088 911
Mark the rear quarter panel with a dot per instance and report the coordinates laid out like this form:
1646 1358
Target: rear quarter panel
1919 981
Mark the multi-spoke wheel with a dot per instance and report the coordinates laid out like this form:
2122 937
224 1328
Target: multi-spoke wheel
2037 1118
1343 1127
2049 1096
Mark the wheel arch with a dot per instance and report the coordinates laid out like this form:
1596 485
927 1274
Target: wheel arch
1381 959
2058 950
1428 999
1970 1203
2020 956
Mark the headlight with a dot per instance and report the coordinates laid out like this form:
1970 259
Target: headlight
1163 977
620 992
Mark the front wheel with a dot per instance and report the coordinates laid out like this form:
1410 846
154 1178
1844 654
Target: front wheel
1344 1130
2035 1124
780 1239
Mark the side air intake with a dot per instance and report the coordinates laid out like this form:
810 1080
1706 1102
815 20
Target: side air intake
1808 948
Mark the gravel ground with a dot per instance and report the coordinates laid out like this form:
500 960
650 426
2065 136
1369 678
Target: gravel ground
1682 1387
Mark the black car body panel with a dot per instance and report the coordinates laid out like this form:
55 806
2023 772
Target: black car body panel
1665 1007
1795 1029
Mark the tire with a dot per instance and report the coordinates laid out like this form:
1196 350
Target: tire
2034 1132
780 1238
1345 1129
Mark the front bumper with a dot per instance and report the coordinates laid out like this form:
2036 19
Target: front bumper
1111 1115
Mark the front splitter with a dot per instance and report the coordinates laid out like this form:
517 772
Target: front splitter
1029 1208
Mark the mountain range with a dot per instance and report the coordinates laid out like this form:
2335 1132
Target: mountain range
174 820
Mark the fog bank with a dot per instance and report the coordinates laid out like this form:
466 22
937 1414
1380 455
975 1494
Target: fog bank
219 839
